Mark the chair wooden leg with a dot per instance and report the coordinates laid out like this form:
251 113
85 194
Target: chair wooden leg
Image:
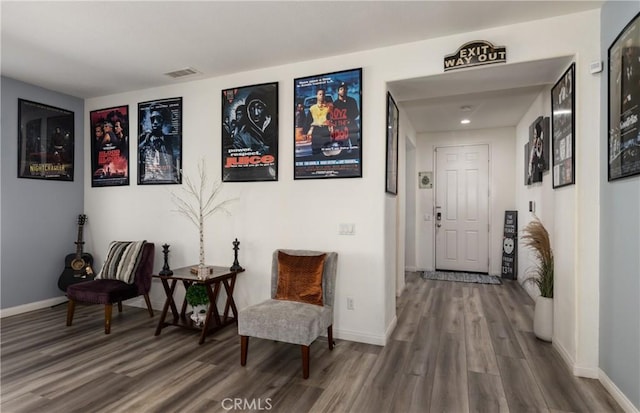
305 362
107 318
146 300
119 306
71 306
244 347
330 337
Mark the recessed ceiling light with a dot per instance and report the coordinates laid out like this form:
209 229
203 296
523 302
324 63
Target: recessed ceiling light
465 121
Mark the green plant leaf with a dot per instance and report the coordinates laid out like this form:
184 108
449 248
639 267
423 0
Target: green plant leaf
197 295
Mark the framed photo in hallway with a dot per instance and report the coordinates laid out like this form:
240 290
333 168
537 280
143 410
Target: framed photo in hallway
45 141
250 133
328 125
624 103
160 141
393 115
563 129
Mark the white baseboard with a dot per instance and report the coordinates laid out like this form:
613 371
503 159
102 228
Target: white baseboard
564 354
622 400
580 371
588 372
410 269
139 302
25 308
359 337
390 328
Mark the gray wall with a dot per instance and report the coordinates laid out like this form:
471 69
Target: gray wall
38 218
619 243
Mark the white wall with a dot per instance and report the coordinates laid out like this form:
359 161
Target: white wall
284 214
501 143
306 214
568 215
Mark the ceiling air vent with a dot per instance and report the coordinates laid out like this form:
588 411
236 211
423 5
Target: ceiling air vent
188 71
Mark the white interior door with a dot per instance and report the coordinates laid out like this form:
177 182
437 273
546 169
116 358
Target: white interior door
462 208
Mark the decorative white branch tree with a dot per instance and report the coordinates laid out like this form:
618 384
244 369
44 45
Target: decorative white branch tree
197 202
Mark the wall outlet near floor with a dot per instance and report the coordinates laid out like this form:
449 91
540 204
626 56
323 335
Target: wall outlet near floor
350 303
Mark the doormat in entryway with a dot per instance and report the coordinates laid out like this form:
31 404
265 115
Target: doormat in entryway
464 277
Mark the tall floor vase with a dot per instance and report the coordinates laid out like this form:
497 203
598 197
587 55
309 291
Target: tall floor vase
543 318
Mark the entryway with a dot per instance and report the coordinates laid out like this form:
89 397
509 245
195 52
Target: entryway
462 205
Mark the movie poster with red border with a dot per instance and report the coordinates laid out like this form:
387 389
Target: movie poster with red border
328 125
250 133
110 146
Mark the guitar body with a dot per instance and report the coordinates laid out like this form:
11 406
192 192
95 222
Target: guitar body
78 267
76 270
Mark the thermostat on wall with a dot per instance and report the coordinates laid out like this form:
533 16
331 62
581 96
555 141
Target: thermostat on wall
595 67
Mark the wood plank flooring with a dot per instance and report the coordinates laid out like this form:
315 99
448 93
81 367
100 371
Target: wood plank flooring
457 348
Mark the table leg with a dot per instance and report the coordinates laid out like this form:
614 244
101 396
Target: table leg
216 292
183 312
168 290
213 309
230 301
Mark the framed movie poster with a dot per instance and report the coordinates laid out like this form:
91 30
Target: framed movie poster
527 155
624 103
110 146
392 146
328 125
160 142
45 141
538 142
563 128
250 133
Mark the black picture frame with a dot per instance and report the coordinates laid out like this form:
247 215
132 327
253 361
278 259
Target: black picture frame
46 141
563 121
160 142
527 156
250 133
328 138
538 146
623 138
109 146
393 129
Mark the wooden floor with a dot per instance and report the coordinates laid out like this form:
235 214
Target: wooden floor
457 348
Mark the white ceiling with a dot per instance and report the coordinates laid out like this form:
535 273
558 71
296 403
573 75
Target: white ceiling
97 48
494 96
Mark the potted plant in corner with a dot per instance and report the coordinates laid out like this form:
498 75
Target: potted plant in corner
536 237
198 299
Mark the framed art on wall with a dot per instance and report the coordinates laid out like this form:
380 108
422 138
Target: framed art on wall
563 129
328 125
110 146
393 115
538 143
160 142
45 141
527 156
250 133
624 103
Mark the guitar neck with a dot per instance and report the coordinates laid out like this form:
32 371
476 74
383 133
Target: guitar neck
79 242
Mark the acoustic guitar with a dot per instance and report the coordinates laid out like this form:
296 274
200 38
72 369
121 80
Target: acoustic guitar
78 266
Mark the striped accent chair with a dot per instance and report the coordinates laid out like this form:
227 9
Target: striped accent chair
111 285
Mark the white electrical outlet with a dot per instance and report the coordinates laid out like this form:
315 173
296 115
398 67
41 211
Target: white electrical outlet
350 303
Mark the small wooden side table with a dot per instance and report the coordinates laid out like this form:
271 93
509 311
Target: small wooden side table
221 277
